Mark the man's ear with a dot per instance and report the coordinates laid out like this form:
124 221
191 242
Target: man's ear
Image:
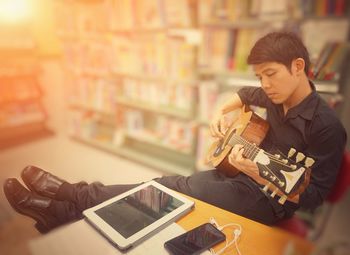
298 66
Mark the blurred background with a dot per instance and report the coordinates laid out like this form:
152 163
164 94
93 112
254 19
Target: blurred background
123 90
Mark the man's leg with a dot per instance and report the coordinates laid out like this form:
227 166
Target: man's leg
231 194
85 195
81 194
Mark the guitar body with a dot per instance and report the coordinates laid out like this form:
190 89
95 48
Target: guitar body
249 126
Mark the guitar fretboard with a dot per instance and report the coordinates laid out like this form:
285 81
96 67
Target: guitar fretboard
250 150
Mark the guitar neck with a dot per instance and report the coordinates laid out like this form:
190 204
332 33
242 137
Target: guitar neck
250 150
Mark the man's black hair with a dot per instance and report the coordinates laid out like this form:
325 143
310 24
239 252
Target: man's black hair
280 47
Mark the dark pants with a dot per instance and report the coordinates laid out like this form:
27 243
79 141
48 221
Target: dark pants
237 195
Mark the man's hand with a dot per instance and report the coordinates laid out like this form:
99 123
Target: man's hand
248 167
243 164
218 126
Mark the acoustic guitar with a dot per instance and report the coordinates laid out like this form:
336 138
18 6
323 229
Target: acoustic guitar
287 174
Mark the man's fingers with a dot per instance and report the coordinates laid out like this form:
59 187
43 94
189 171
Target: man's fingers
239 156
215 132
234 153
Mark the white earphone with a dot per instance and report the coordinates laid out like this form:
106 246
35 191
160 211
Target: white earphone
236 232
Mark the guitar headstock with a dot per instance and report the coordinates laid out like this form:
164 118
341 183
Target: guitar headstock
289 175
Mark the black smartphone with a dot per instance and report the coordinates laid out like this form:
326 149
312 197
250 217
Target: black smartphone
195 241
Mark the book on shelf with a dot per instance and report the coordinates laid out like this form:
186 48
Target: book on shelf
93 93
208 95
122 54
88 125
323 8
157 93
204 142
330 61
231 11
318 32
180 58
65 18
95 59
12 115
91 18
160 130
153 51
121 14
154 55
228 10
217 48
178 13
126 15
225 49
272 10
87 56
18 89
150 14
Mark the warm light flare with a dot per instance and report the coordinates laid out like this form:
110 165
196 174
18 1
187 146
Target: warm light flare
13 11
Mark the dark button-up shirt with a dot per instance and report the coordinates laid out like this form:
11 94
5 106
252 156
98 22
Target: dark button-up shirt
311 127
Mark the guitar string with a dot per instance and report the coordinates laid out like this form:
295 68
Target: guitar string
254 149
240 139
268 169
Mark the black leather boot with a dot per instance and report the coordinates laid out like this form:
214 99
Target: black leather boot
41 182
30 204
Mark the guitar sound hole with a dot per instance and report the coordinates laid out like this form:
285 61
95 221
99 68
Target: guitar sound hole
223 142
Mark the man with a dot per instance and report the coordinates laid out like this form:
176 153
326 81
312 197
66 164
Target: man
298 119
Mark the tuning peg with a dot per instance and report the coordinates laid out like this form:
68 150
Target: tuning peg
293 167
272 178
265 173
309 162
273 194
291 152
282 199
284 161
281 183
300 156
266 187
277 155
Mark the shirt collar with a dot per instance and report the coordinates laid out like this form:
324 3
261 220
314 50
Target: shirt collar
307 107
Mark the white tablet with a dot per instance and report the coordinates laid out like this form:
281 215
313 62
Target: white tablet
129 218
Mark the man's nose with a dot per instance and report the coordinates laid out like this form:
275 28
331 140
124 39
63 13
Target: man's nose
265 84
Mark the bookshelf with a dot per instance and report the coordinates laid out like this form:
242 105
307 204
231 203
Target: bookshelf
22 114
131 70
145 76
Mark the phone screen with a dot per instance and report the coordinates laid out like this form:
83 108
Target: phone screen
195 241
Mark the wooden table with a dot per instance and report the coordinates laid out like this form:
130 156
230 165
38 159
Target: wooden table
255 239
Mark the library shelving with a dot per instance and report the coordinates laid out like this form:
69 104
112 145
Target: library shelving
22 114
146 76
132 76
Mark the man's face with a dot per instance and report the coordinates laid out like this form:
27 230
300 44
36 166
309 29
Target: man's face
276 80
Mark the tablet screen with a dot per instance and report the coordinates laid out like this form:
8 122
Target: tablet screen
138 210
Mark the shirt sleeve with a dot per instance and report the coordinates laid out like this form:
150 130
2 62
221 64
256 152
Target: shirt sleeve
326 147
253 96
